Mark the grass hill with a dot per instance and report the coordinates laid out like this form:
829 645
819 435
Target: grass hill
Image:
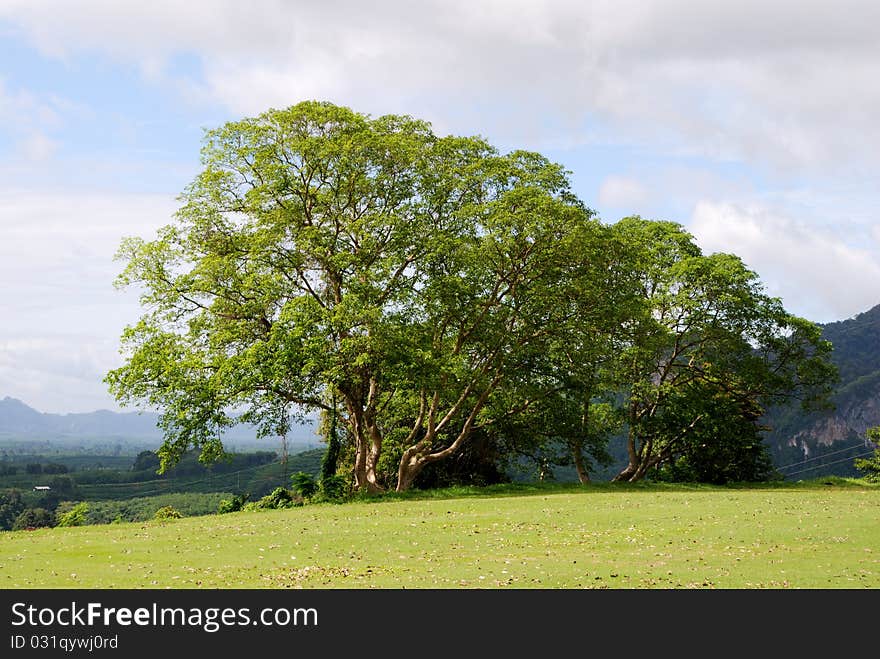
821 534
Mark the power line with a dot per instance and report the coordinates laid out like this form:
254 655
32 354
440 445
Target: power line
828 464
165 485
201 480
824 455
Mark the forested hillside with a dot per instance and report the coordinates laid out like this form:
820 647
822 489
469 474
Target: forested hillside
808 445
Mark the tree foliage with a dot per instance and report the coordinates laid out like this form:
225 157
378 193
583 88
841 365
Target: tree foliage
303 484
33 518
146 460
706 328
73 515
419 292
870 466
11 506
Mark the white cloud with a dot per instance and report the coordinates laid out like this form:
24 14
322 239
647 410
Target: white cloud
816 273
27 119
38 147
62 317
60 373
622 192
788 83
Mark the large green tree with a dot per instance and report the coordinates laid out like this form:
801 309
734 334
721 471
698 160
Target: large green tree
708 341
327 260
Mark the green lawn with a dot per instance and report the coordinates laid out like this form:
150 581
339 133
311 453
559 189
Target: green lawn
818 536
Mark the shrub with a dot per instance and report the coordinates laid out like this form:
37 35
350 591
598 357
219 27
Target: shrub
74 516
335 488
167 512
277 498
141 509
304 484
232 505
33 518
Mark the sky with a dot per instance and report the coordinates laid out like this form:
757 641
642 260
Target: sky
754 124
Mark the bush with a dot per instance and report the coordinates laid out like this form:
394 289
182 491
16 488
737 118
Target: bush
167 512
33 518
232 505
75 515
334 488
276 499
304 484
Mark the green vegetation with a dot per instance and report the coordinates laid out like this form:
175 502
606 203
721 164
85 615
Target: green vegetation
425 294
304 484
72 515
134 492
166 513
855 342
870 467
449 312
811 535
826 442
189 504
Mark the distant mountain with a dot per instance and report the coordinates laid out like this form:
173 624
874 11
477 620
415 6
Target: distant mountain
809 445
19 421
17 418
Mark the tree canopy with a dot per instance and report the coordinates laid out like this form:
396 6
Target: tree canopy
419 291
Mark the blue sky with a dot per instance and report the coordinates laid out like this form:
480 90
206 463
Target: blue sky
754 125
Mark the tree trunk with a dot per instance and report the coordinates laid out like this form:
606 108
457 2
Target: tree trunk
412 462
576 449
578 456
418 455
407 473
366 449
375 449
634 459
360 464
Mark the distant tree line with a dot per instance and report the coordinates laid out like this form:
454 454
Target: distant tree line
17 514
32 468
29 509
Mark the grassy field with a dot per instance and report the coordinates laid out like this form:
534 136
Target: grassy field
651 536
